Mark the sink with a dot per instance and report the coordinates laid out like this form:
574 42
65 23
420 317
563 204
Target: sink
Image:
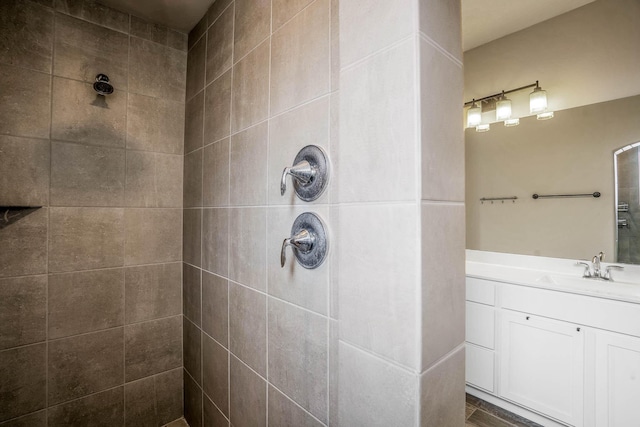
595 286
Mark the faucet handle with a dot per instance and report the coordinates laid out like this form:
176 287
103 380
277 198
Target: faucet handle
302 240
587 268
302 171
607 273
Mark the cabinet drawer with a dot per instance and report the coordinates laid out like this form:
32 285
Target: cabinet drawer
479 364
481 291
480 324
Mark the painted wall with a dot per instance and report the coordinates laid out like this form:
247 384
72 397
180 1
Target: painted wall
90 284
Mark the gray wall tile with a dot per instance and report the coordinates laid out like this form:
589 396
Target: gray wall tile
247 396
26 163
441 22
92 11
26 102
217 107
220 45
139 403
215 373
80 115
195 68
27 239
192 350
248 327
216 9
283 411
84 364
247 247
152 235
146 59
215 240
155 124
298 356
284 10
252 25
26 35
192 402
212 415
248 168
83 50
193 179
153 180
152 292
191 231
36 419
191 293
85 238
85 302
169 395
23 380
152 347
23 310
194 123
158 33
442 392
105 409
86 176
301 58
250 94
197 31
215 180
215 308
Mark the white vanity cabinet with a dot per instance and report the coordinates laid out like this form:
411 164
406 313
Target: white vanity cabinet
480 334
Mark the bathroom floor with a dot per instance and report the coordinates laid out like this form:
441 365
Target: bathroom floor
484 414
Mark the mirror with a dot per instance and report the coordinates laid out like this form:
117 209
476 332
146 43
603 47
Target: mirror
587 60
627 203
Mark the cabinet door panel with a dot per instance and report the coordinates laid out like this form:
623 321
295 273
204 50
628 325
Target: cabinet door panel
541 365
617 380
481 291
480 367
480 324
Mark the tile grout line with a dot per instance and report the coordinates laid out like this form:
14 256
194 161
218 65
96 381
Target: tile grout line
266 231
124 228
228 202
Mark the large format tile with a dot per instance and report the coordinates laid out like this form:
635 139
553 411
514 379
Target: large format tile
26 35
283 412
191 293
252 25
220 44
83 50
192 350
212 415
82 175
23 380
217 109
158 33
91 11
215 240
152 347
146 59
152 292
247 247
381 24
215 373
442 400
27 239
443 280
155 124
139 403
80 115
84 364
298 356
26 102
169 395
195 68
34 419
441 21
301 58
193 123
153 180
85 238
379 284
248 327
105 409
294 283
215 179
26 163
284 10
85 302
390 397
23 308
250 94
192 196
248 168
191 229
192 402
247 397
152 235
216 9
197 32
288 133
378 114
442 137
215 307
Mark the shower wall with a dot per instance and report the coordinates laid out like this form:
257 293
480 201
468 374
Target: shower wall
90 284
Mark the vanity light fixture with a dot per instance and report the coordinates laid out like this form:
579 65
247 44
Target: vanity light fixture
502 105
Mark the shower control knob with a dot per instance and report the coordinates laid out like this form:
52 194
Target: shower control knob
308 241
310 173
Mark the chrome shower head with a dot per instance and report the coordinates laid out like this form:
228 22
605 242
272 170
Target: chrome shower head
102 85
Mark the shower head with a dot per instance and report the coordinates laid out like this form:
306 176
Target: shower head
102 85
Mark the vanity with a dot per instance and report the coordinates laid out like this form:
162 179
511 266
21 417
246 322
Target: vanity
551 346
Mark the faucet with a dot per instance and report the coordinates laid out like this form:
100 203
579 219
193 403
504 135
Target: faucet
597 259
597 268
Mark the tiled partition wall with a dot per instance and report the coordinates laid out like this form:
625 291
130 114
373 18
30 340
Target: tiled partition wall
400 274
256 336
90 284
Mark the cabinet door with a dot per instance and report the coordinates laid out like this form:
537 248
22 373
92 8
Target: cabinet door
617 380
541 365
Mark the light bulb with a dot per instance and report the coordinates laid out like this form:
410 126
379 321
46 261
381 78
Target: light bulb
538 100
503 108
474 114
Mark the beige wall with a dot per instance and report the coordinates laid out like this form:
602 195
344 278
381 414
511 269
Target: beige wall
573 153
90 284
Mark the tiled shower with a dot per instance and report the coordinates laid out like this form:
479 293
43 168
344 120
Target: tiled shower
149 286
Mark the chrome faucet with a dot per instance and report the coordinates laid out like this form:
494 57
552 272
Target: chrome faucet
596 264
597 268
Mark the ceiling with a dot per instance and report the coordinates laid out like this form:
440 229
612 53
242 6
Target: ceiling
482 20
